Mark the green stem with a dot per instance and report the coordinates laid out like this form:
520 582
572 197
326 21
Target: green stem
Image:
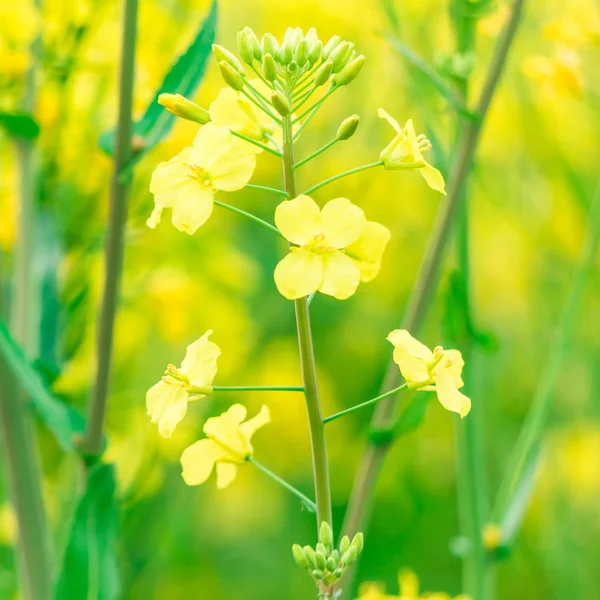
262 106
308 503
115 235
255 143
248 215
316 153
257 388
314 188
306 122
364 404
307 362
256 92
264 188
260 76
316 105
303 99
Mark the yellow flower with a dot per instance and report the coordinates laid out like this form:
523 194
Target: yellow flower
373 591
423 369
559 74
405 151
167 400
335 248
187 183
227 445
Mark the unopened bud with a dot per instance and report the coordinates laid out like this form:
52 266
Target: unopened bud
322 548
311 36
321 561
358 542
335 554
331 564
318 574
270 45
223 55
256 48
350 556
350 71
338 573
341 55
344 544
231 76
184 108
281 104
293 36
286 54
293 67
299 556
301 56
245 49
346 131
323 73
331 45
269 67
309 553
326 534
314 52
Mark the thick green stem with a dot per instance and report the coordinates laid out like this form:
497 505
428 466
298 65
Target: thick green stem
119 195
307 362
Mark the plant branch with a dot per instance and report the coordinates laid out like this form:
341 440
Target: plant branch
264 188
316 153
248 215
318 186
256 143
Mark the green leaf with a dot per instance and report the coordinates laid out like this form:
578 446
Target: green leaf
183 78
63 421
90 568
412 416
19 125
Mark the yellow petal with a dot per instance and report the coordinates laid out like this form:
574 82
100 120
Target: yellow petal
449 396
199 460
226 111
249 428
299 274
226 473
154 219
367 251
342 223
171 179
384 115
225 429
434 179
453 363
409 584
298 220
411 356
192 208
200 362
340 275
166 404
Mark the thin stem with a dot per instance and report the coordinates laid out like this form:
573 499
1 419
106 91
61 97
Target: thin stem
307 362
248 215
314 188
264 188
261 105
256 92
316 105
115 235
316 153
274 142
260 76
306 122
257 388
303 99
255 143
364 404
308 503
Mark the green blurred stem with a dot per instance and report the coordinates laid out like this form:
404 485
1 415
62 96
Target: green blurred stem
364 404
257 388
119 194
528 443
264 188
314 188
307 361
316 153
255 143
248 215
310 505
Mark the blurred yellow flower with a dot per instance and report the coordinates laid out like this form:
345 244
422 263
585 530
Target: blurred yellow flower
336 248
187 183
227 445
19 24
405 151
167 400
438 371
374 591
560 73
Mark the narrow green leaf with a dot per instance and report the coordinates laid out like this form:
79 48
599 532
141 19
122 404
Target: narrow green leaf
19 125
63 421
90 568
183 78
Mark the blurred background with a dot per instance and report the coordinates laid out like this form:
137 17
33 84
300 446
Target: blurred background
530 192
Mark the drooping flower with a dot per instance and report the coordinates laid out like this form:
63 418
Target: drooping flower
405 151
216 161
438 371
227 445
334 248
167 400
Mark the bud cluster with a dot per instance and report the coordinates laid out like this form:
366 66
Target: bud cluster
325 563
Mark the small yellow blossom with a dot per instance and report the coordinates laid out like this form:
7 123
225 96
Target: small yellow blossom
217 161
335 248
374 591
438 371
558 74
227 445
492 536
167 400
405 151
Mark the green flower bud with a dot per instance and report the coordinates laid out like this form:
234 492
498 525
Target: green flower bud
358 542
281 104
317 574
340 56
293 67
311 36
299 556
335 554
331 564
326 534
350 71
270 45
321 561
184 108
293 36
269 67
286 54
322 549
338 573
256 48
245 47
231 76
323 73
301 56
344 544
223 55
345 132
309 553
314 52
330 46
350 556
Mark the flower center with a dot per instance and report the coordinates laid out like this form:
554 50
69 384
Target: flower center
199 174
318 246
175 377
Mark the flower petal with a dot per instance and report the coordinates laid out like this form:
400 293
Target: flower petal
200 362
368 249
225 429
385 115
434 179
299 274
411 356
409 584
193 208
298 220
449 396
226 473
198 461
166 404
453 363
340 275
226 111
171 178
342 223
248 429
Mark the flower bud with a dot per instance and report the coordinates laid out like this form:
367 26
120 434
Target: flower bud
336 555
340 56
311 36
299 556
326 534
270 45
320 547
317 574
330 46
293 67
245 49
293 36
184 108
281 104
231 76
269 67
301 55
323 73
256 48
321 561
314 52
344 544
223 55
331 564
338 573
286 54
309 553
346 130
350 71
350 556
358 542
